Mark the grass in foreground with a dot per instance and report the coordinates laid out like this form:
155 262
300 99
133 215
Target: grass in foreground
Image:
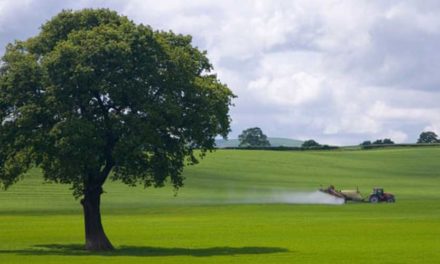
211 221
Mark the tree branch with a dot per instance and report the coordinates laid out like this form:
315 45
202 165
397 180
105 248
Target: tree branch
103 175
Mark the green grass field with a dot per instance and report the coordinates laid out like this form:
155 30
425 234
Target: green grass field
221 216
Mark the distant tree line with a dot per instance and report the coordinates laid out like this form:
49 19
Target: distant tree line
426 137
312 144
254 138
385 141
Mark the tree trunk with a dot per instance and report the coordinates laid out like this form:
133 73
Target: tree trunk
96 240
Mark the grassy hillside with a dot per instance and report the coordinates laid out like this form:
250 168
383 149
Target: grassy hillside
225 213
274 142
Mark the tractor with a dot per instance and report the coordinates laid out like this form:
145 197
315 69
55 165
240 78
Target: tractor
347 195
378 195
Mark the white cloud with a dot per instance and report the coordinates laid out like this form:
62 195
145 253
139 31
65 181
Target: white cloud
336 71
296 89
286 79
7 10
433 127
395 135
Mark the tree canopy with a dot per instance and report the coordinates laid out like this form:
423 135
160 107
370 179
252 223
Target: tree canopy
95 93
385 141
428 137
310 144
253 137
366 143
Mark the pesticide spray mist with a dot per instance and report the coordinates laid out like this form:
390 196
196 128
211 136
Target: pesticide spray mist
315 197
289 197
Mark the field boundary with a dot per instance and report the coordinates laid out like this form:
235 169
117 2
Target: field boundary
327 147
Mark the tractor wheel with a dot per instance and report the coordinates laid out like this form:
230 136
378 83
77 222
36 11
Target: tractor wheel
391 200
374 199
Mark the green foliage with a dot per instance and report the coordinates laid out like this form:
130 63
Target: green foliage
253 137
310 144
93 93
385 141
366 143
428 137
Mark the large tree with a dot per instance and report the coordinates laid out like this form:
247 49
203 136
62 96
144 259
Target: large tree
95 96
253 137
428 137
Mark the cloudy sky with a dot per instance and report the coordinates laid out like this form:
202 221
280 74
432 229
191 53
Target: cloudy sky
339 72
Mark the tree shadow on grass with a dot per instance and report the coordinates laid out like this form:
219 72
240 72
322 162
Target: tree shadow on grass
135 251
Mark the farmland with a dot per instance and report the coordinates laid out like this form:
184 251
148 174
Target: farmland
225 213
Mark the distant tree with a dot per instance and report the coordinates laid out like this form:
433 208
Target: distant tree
366 143
385 141
253 137
95 96
310 144
428 137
